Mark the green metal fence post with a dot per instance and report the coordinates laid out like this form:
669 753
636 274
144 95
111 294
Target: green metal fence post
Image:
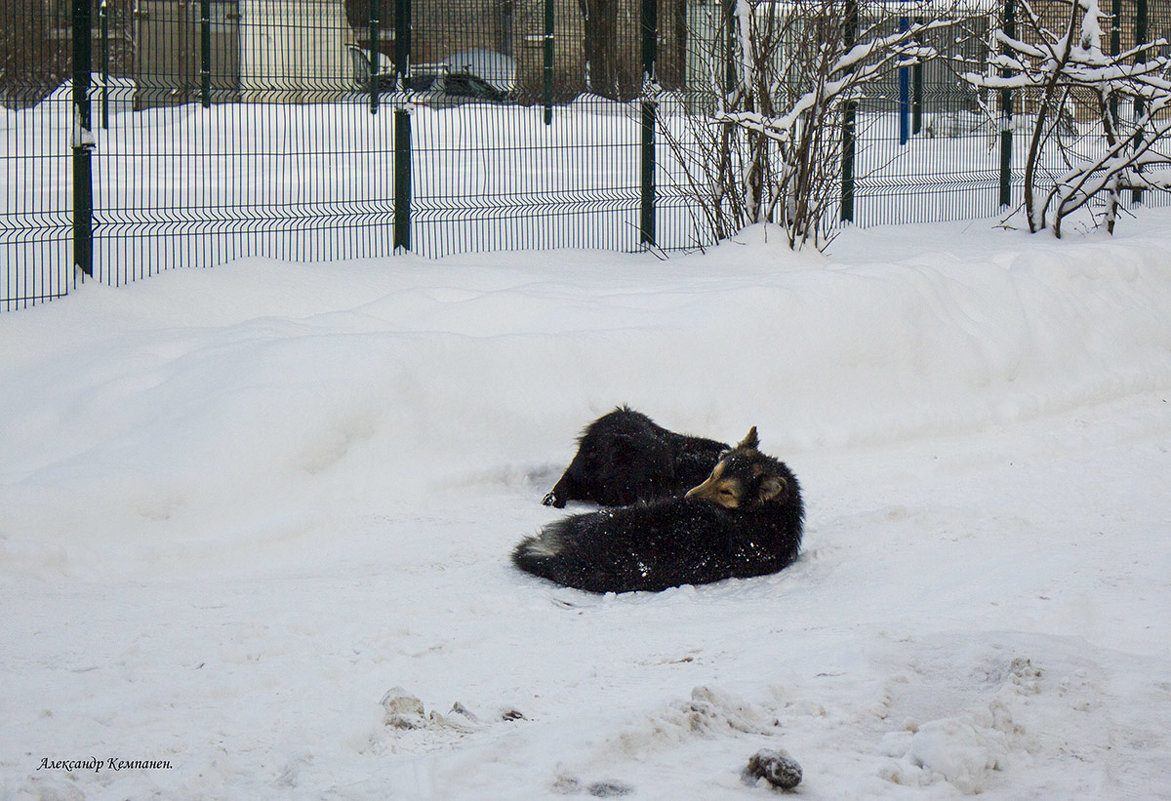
731 73
904 104
547 55
375 57
205 52
402 129
849 115
1140 37
917 90
82 138
650 42
1115 45
1006 113
104 16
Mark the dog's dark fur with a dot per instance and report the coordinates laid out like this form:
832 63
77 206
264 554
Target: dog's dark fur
746 519
624 457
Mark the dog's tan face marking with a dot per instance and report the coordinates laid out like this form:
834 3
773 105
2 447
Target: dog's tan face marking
726 491
739 472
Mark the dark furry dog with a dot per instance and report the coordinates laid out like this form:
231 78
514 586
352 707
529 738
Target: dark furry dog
746 519
624 457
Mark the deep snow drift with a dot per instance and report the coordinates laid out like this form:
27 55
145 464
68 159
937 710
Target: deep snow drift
251 513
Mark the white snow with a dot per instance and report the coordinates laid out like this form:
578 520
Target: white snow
255 517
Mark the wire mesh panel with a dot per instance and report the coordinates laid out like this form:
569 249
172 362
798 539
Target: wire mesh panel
315 130
922 142
36 225
927 143
247 136
1156 26
1077 132
520 138
503 178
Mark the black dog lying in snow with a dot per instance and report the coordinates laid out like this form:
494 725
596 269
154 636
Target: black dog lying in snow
745 520
624 457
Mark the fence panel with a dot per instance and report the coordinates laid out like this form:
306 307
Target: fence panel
543 163
555 159
927 145
36 200
273 153
284 128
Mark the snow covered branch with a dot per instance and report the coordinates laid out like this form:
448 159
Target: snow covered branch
774 137
1066 72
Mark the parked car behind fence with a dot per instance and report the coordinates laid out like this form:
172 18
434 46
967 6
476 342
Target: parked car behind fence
433 85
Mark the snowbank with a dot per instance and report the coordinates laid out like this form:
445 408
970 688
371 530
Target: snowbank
242 504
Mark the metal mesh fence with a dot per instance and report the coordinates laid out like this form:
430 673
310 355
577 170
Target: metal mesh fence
317 130
36 213
927 142
266 151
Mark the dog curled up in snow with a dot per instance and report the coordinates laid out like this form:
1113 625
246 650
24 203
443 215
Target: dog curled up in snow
745 520
624 457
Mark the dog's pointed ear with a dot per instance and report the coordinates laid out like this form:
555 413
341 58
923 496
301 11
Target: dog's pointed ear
772 487
750 439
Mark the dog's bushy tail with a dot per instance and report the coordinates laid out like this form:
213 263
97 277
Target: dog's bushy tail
539 555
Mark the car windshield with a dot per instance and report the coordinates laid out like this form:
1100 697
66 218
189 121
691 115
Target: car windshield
420 83
470 86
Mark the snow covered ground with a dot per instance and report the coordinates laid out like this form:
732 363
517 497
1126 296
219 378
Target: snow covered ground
250 512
